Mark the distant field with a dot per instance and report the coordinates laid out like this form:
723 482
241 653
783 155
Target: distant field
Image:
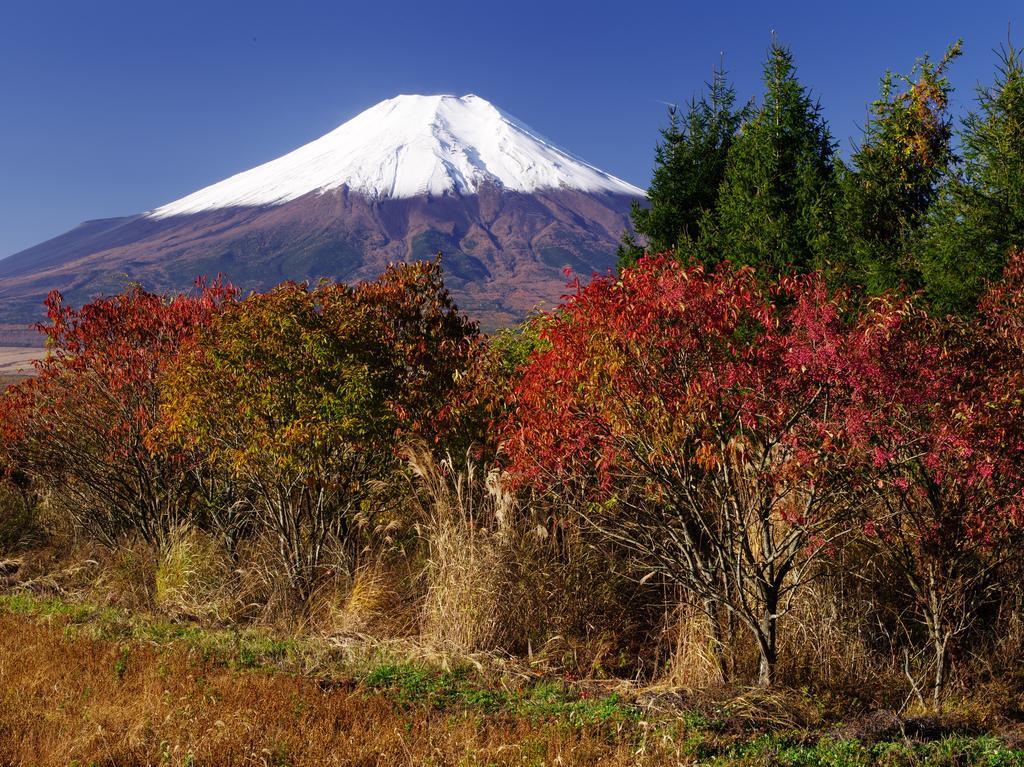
16 361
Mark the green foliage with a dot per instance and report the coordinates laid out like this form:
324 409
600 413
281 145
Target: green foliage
894 177
512 347
121 664
410 684
778 750
763 187
289 372
460 688
775 204
286 396
979 218
689 166
485 388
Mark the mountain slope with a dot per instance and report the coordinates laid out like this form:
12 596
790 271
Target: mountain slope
407 178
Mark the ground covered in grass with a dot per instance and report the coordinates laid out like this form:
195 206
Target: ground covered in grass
83 685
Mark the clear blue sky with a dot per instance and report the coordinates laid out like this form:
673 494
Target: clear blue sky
111 108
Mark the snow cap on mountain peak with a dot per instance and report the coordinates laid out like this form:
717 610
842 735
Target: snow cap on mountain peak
409 146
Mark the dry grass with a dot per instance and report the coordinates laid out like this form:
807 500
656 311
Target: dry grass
126 576
139 704
760 709
504 577
194 578
693 659
826 640
376 599
466 521
130 691
508 586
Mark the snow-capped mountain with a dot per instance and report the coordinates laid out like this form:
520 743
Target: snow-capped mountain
411 146
405 179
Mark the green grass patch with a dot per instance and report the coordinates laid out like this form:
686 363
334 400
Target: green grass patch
230 647
463 688
948 752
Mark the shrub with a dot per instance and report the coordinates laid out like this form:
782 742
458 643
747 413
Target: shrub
18 504
699 411
939 435
301 395
83 422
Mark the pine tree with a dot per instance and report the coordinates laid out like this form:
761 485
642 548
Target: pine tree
689 167
894 178
775 203
979 218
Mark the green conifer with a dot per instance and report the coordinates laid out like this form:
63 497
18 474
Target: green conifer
689 167
979 219
775 204
894 177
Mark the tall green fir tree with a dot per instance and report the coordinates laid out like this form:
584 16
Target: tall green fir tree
894 177
689 167
979 218
776 201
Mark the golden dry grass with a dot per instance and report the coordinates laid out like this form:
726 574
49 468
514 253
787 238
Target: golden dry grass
67 699
193 578
465 523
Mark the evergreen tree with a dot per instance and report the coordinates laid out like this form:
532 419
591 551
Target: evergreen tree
775 203
895 175
979 218
689 167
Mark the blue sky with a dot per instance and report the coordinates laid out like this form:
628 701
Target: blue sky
111 108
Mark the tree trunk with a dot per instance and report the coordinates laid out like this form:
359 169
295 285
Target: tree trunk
940 645
935 608
767 640
720 649
769 660
940 675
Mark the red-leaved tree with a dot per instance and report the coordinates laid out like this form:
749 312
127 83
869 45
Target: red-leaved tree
938 435
81 424
698 410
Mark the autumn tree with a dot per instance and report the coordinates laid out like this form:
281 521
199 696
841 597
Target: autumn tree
939 431
81 425
302 395
700 416
487 386
430 347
